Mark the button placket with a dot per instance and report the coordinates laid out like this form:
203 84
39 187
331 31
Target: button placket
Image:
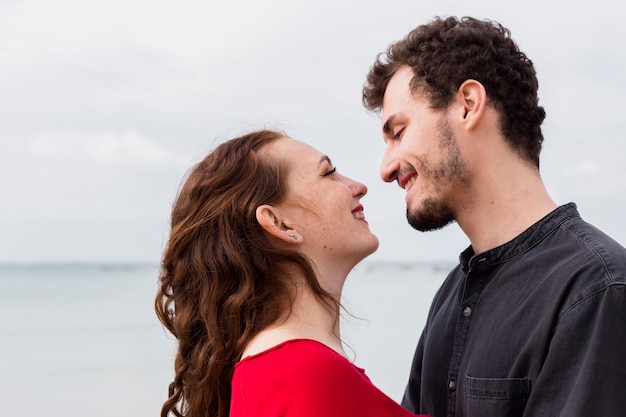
452 385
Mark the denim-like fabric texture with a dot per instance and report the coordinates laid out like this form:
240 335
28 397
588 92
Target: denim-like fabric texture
535 327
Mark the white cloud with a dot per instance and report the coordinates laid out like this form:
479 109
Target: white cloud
107 147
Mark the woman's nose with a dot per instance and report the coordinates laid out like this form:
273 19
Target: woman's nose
389 166
359 189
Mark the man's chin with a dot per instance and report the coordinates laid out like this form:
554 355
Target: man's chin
430 219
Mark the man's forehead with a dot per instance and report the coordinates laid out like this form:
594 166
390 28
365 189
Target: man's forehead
398 89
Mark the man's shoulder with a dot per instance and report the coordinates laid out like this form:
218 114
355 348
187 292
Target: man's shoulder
597 249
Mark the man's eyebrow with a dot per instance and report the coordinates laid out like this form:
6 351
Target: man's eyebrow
388 122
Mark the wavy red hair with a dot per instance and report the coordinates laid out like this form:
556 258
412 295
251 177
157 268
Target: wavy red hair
222 279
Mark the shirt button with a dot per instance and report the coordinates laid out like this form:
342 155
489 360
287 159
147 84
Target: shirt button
467 311
451 385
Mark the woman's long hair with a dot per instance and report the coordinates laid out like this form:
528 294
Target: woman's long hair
222 280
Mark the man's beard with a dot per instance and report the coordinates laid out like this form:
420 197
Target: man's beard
432 215
434 212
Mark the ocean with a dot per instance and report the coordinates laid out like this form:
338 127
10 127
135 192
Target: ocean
83 339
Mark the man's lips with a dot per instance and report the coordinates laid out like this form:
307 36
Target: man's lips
407 180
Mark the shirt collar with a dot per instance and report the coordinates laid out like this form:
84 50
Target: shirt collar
523 242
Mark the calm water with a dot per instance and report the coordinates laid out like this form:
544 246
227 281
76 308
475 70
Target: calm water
83 340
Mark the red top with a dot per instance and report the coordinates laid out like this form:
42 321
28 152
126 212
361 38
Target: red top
305 378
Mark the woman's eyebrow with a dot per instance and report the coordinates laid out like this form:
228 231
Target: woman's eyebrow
323 159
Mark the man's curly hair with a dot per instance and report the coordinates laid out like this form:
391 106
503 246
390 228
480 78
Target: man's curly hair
446 52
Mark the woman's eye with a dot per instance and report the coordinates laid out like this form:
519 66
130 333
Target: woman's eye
331 172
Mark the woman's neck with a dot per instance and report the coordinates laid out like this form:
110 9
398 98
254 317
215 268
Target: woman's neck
308 319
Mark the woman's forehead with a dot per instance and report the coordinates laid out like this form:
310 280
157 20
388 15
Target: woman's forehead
290 149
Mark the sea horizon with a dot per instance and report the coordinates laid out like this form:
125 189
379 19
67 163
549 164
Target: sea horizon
87 331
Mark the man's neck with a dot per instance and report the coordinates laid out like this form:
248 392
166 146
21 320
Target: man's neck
504 206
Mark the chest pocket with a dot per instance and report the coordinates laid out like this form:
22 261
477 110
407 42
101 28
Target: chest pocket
485 397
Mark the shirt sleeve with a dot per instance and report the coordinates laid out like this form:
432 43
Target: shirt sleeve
585 368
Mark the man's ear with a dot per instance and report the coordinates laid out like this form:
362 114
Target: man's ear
473 98
271 221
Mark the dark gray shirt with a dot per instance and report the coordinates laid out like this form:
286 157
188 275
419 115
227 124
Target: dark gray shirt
535 327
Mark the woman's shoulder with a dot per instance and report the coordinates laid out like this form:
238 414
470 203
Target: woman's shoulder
302 365
304 377
299 355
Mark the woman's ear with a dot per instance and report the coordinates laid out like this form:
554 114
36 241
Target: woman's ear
473 98
270 220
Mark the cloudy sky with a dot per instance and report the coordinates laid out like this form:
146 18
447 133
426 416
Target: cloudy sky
104 105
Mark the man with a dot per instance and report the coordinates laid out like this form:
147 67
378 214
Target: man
532 322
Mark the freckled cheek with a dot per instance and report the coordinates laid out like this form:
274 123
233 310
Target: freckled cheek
325 215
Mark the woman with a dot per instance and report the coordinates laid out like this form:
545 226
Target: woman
264 233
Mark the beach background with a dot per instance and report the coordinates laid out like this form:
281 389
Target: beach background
83 340
105 105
